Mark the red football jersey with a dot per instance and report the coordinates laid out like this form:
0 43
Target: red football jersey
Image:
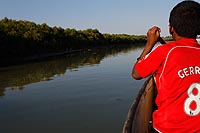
176 66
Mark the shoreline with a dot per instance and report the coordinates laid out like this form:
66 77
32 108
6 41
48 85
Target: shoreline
10 61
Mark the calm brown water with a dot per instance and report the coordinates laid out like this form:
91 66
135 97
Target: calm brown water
88 93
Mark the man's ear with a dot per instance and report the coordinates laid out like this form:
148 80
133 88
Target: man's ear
171 29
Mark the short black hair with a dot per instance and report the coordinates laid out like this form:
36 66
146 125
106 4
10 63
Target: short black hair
185 18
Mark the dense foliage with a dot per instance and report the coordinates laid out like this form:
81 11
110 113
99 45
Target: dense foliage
24 38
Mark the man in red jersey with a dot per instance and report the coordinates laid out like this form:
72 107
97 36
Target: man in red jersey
176 66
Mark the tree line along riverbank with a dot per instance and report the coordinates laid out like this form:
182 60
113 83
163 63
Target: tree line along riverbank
24 38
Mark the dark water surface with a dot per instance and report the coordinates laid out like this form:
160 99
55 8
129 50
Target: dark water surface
87 93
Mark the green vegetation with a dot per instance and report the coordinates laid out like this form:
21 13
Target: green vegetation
20 39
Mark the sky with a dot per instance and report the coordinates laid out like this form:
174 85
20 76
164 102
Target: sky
133 17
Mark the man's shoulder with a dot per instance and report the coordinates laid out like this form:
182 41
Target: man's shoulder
165 48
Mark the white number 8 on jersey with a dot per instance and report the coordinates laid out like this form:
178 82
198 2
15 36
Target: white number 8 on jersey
192 98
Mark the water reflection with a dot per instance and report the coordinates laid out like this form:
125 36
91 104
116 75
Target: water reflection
18 76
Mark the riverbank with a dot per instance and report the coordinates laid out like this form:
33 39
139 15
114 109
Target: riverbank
24 40
10 61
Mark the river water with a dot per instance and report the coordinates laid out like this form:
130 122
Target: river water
87 93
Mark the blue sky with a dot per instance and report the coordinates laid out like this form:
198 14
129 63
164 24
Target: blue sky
108 16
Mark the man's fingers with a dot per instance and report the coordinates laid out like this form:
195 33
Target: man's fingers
154 30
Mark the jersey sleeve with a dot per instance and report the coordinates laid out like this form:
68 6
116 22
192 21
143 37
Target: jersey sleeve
150 63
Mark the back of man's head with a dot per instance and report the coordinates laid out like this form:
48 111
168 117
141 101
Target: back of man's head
185 19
